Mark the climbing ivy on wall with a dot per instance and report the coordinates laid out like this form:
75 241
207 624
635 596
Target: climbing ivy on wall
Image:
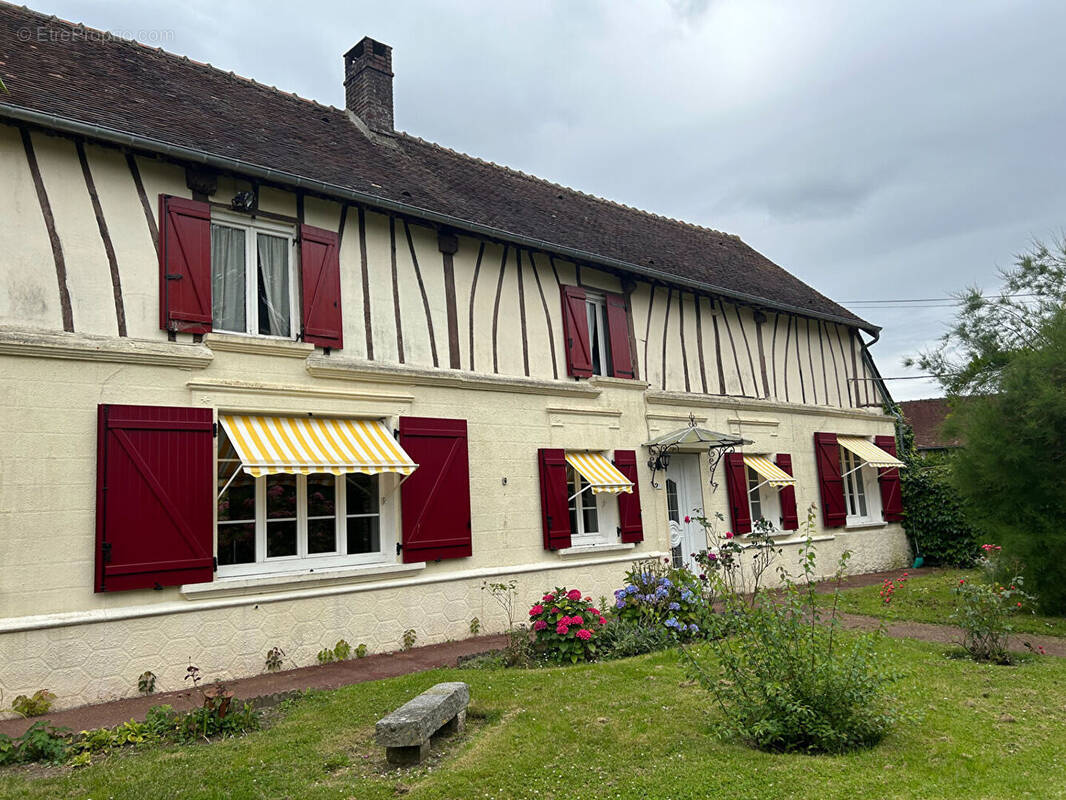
933 513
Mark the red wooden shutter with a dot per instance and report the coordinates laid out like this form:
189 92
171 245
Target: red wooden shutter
736 484
435 500
787 494
154 497
320 281
618 336
830 484
576 332
184 265
888 479
554 502
632 529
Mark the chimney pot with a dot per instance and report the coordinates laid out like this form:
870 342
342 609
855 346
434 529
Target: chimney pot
368 83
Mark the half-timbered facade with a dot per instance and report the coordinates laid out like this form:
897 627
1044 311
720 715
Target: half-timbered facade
275 374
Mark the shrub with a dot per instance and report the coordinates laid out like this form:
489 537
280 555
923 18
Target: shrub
44 743
786 679
410 636
566 626
623 638
983 612
657 594
274 658
146 682
934 515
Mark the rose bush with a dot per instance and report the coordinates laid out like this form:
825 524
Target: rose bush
566 626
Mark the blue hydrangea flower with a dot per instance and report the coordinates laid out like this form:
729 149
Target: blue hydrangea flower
673 623
694 628
674 606
620 603
686 595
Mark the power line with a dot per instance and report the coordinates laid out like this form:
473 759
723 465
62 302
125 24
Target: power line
948 300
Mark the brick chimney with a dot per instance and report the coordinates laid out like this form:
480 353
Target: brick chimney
368 83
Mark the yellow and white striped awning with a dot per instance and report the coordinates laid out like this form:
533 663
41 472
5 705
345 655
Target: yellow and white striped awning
269 445
766 468
869 452
602 475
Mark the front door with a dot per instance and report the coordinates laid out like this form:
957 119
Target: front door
684 501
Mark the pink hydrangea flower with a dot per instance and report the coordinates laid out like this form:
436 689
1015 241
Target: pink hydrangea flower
565 621
594 612
603 620
548 597
576 621
537 609
555 609
574 594
561 629
584 634
540 625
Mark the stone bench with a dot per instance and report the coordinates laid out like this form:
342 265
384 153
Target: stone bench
405 733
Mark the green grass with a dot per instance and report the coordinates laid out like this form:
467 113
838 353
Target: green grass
626 729
929 598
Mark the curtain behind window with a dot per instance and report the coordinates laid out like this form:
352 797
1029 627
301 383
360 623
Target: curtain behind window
228 287
273 258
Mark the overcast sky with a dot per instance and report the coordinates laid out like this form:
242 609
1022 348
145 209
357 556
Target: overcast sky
876 150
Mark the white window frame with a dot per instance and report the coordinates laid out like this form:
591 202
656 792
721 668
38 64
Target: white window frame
252 227
857 475
605 505
388 527
596 309
763 496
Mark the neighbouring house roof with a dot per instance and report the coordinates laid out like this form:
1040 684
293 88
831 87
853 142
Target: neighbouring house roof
926 418
77 80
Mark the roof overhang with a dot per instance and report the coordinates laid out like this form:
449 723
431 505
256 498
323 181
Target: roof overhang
193 155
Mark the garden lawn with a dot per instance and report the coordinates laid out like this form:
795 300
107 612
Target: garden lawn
625 729
929 598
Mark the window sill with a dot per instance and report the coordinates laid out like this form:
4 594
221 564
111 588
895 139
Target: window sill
585 549
260 345
858 526
252 584
825 537
624 383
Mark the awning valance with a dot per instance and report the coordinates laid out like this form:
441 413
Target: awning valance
602 475
869 452
774 475
270 445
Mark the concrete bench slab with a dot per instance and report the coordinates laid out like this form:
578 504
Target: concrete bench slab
406 732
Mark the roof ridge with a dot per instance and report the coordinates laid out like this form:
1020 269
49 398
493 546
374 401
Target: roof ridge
536 178
109 37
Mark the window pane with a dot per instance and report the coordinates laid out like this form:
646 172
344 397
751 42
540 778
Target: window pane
361 493
281 496
228 285
591 516
273 283
238 502
322 535
363 535
236 543
754 496
321 492
281 538
673 512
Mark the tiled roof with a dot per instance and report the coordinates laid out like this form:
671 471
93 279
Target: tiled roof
57 68
927 417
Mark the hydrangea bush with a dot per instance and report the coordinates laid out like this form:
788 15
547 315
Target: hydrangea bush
566 626
659 594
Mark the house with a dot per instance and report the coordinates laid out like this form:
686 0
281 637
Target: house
926 418
276 374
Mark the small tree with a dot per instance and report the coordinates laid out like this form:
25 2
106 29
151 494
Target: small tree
1003 364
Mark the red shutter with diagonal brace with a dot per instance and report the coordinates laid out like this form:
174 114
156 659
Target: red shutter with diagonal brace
320 282
888 480
435 499
184 265
629 520
154 497
830 483
618 336
787 495
554 498
576 332
736 484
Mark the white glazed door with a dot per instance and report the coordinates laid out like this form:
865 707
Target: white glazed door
684 501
